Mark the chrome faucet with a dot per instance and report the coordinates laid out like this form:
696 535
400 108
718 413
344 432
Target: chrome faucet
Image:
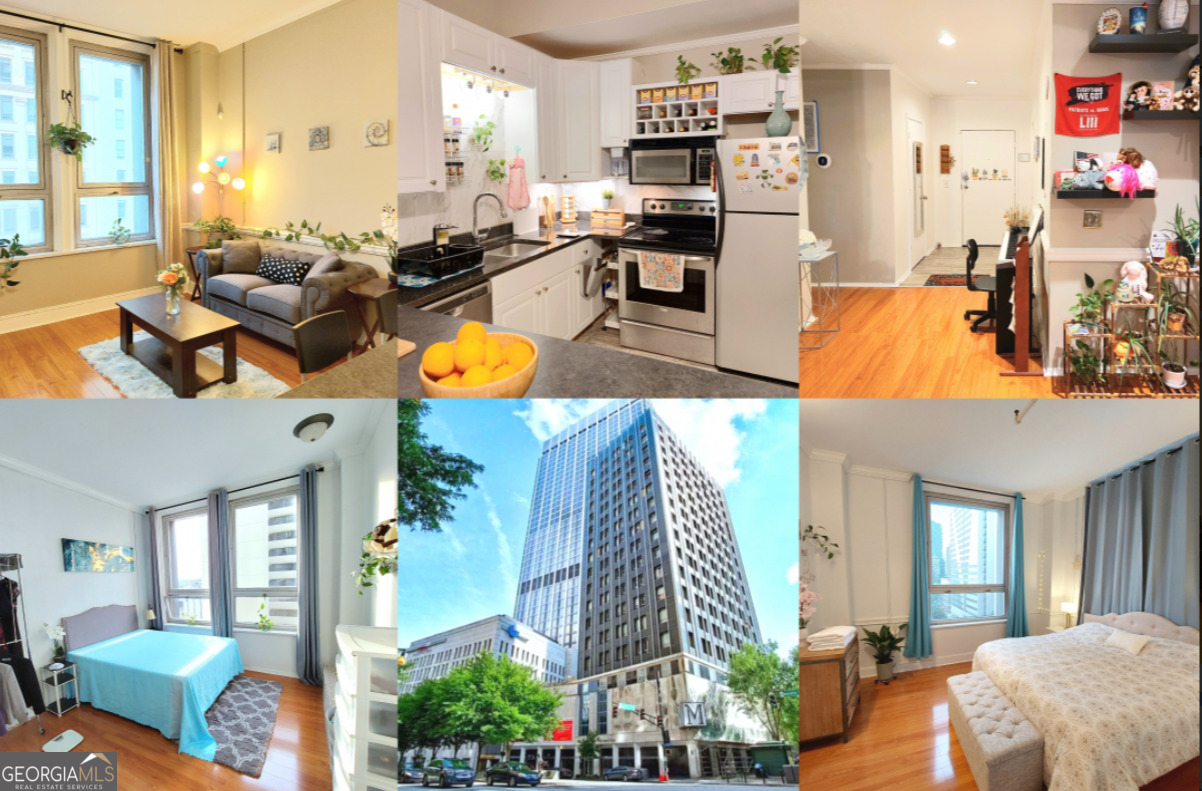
480 237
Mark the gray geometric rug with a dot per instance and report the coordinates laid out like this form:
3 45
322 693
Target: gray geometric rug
241 721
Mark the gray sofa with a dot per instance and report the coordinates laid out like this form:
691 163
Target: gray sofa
230 287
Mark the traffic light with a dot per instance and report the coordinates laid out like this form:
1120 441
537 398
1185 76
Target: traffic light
773 701
659 721
642 713
615 715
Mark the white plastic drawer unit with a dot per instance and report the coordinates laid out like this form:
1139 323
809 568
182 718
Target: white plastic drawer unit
365 755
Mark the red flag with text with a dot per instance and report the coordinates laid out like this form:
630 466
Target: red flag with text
1088 106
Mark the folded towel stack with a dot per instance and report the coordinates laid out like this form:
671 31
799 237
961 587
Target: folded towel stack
831 638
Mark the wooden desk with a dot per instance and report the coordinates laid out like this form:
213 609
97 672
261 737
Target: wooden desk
829 691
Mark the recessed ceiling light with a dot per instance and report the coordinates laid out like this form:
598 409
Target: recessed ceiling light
946 39
970 82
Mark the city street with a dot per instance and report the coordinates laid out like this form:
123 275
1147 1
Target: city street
613 785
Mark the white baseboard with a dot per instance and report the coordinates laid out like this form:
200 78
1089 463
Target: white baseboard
868 670
869 285
71 310
271 671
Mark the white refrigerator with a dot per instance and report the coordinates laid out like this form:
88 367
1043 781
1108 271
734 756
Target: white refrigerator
756 312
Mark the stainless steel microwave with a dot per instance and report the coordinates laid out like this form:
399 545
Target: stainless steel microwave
672 161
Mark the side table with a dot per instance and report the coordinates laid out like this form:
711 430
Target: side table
194 274
370 291
61 684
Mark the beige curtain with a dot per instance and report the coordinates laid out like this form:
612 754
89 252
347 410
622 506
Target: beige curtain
170 214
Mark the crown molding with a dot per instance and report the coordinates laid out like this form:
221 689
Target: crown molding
854 67
58 480
828 455
877 472
726 38
1069 495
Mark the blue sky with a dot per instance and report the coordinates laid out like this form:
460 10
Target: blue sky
470 571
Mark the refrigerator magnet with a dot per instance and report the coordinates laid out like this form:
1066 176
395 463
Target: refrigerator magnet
738 160
774 146
746 188
742 175
749 146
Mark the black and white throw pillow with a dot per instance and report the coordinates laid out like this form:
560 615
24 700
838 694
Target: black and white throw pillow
283 270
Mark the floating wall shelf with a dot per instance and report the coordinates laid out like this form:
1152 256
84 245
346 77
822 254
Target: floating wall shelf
1126 43
1100 194
1160 115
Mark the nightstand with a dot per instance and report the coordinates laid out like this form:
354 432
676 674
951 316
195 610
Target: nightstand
61 683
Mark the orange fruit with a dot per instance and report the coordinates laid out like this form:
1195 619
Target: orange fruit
492 354
519 355
452 380
438 360
473 330
468 354
503 371
475 376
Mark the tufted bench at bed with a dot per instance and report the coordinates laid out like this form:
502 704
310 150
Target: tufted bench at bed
1004 750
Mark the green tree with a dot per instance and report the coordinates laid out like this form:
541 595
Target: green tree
497 701
589 751
429 477
758 676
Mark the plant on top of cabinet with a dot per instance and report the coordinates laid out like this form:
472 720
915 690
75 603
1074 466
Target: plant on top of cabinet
70 140
686 72
729 63
496 170
482 132
779 57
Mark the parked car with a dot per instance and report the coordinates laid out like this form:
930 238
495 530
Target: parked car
447 772
410 773
624 773
565 773
511 774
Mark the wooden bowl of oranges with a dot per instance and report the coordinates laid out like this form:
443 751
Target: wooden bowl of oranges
479 364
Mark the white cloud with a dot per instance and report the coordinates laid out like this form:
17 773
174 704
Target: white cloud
520 500
708 429
547 417
793 575
504 552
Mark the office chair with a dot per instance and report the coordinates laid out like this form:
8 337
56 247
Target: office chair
321 341
983 283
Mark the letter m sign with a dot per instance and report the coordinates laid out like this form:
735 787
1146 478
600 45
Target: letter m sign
692 715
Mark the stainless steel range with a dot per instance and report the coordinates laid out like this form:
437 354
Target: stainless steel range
665 322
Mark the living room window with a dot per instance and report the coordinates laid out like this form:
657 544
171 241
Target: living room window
113 181
186 567
969 541
263 545
25 186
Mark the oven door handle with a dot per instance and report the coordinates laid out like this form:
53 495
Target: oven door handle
633 258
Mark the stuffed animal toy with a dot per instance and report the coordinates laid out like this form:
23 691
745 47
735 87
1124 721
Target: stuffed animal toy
1135 276
1139 96
1123 179
1089 180
1187 97
1149 178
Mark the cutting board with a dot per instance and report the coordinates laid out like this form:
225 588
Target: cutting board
403 347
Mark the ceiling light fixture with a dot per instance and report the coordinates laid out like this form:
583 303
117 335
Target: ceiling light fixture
970 82
1020 414
313 427
946 38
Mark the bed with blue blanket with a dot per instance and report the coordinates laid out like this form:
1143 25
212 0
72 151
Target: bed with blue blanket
164 680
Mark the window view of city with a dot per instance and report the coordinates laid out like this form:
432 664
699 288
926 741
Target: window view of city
20 141
967 549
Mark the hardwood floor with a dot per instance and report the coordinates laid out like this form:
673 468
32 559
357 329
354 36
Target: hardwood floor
297 759
901 740
44 362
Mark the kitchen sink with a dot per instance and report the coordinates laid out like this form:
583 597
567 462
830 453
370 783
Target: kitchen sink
514 249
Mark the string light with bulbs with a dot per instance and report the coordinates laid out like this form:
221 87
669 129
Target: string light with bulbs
219 177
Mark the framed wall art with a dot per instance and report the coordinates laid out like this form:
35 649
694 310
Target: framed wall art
809 127
96 557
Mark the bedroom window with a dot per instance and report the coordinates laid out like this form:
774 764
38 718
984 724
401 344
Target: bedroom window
263 544
186 542
969 542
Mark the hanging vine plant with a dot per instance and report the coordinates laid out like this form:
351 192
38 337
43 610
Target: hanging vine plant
70 139
820 539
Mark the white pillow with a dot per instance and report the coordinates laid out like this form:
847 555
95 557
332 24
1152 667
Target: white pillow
1127 641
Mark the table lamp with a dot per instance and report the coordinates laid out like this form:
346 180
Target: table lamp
1069 609
150 616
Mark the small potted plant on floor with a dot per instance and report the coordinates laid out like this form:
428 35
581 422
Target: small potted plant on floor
885 644
1091 306
1131 351
71 140
1087 365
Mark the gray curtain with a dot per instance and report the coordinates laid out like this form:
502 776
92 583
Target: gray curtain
220 585
1141 538
156 588
308 636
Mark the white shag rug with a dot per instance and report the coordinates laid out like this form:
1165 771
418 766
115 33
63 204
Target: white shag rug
134 380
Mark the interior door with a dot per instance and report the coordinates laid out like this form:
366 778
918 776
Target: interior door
987 165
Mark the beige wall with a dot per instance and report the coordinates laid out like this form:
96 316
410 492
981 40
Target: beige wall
62 280
908 101
851 202
662 67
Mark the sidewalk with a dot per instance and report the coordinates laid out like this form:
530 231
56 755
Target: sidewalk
706 781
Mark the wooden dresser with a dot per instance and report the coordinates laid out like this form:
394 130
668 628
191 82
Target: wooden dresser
829 691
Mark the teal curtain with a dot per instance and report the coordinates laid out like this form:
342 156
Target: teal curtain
918 635
1016 617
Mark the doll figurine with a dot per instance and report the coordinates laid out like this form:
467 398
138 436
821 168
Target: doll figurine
1135 277
1123 179
1149 178
1139 96
1187 97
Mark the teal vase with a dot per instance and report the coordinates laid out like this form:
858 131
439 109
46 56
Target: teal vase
779 123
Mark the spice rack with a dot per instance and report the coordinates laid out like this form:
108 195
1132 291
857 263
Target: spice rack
671 110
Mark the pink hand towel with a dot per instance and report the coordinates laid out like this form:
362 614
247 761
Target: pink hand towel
519 195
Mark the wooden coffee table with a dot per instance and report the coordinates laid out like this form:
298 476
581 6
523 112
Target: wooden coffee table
171 351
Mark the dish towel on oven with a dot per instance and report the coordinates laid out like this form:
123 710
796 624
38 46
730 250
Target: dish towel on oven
661 271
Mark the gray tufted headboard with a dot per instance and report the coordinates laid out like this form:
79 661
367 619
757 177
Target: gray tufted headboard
1146 623
99 624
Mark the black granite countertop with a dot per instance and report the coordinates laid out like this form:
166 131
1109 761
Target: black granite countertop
367 376
416 297
579 370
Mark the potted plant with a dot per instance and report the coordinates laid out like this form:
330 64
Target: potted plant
729 63
1091 306
686 72
482 132
1131 350
1086 364
496 170
808 608
1186 229
606 197
264 623
885 644
217 229
779 58
1017 217
56 633
1173 310
119 232
71 140
10 249
379 556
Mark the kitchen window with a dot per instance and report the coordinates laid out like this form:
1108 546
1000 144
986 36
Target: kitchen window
969 541
186 567
263 548
113 180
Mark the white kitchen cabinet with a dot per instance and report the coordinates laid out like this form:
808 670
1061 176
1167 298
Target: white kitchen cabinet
515 61
520 313
579 130
545 296
467 45
548 122
420 161
792 85
558 305
617 79
586 309
749 92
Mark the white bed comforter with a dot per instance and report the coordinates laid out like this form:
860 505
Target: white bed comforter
1111 721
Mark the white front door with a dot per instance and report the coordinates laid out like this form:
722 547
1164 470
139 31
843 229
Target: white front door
987 169
918 165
